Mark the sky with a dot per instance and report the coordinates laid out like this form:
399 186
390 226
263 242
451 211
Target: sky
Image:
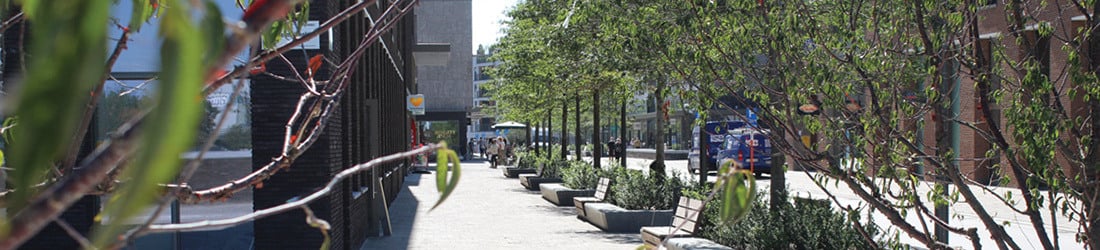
487 15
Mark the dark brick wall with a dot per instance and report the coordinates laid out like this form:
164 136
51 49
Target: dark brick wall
79 216
273 102
370 122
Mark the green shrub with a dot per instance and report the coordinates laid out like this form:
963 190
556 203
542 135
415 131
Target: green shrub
581 175
236 137
788 227
527 159
634 190
552 168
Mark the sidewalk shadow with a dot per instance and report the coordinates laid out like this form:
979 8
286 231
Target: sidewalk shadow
570 211
520 189
403 214
625 238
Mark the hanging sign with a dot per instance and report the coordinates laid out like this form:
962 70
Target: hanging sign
415 104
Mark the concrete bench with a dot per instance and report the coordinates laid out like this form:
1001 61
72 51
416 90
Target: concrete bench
685 223
601 194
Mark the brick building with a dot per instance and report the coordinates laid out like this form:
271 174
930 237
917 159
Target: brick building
994 31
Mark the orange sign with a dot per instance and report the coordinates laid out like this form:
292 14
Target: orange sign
415 104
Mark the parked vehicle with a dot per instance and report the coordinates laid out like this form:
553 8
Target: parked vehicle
749 147
717 131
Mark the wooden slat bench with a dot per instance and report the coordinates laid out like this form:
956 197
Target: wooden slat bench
688 212
601 195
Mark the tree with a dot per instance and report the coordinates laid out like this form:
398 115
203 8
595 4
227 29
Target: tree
883 70
886 76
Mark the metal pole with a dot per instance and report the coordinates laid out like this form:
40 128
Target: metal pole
704 154
622 135
175 211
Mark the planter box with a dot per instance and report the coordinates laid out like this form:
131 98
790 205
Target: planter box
513 172
689 243
562 196
614 219
531 181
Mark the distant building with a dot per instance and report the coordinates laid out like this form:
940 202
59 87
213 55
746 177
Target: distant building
481 123
443 29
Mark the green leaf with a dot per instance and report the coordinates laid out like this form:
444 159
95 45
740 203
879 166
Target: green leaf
69 58
738 191
443 156
170 128
214 27
273 34
10 122
142 11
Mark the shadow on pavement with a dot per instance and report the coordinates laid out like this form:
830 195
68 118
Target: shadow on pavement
625 238
403 214
520 189
569 211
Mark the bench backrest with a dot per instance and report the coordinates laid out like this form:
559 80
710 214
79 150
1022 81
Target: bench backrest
601 189
688 213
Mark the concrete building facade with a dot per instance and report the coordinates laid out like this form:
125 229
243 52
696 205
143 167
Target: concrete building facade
445 81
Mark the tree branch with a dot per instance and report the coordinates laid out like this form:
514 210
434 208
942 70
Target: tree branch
49 204
210 224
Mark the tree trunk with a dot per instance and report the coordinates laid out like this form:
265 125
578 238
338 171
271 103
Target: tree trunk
534 127
577 129
564 127
597 150
704 155
548 139
622 135
658 165
528 133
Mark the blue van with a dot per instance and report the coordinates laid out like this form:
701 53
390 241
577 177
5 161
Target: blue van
749 147
717 131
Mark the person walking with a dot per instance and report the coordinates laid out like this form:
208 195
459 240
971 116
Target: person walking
503 150
469 154
492 150
610 148
481 144
620 149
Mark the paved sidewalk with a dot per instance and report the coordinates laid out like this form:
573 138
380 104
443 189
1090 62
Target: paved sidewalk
488 211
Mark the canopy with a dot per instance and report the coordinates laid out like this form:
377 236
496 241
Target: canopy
509 125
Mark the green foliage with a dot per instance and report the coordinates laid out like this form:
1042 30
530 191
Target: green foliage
115 109
632 189
527 159
738 190
581 175
445 187
551 167
237 137
287 28
170 129
792 226
206 124
69 57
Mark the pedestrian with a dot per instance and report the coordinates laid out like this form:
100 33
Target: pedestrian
504 150
620 149
492 150
611 148
481 145
469 149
